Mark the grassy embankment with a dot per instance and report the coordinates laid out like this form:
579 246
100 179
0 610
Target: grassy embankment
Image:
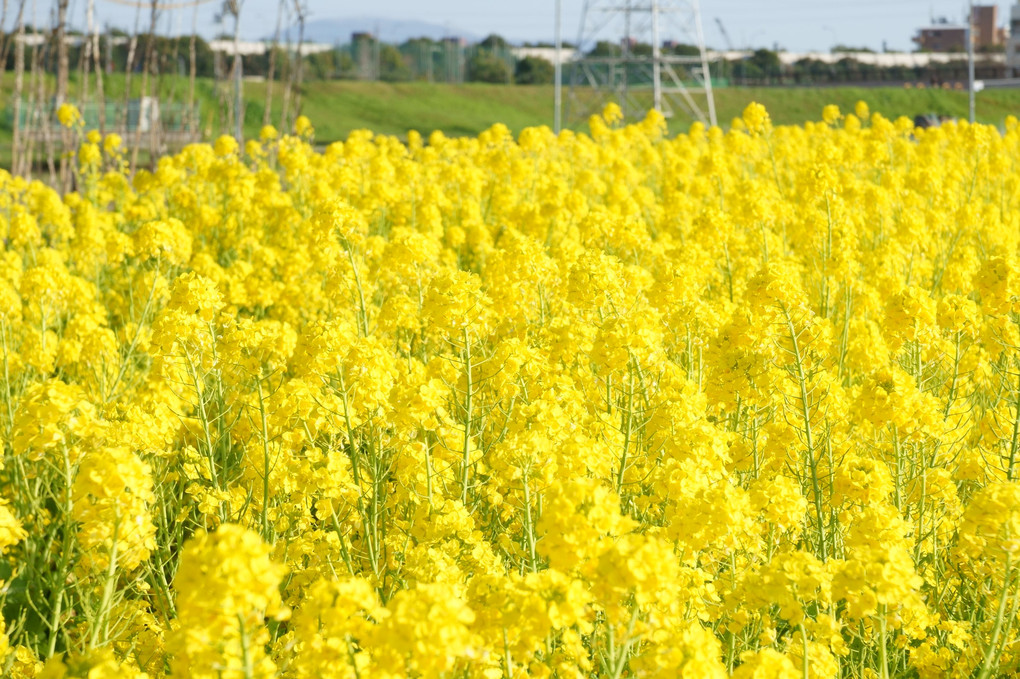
337 107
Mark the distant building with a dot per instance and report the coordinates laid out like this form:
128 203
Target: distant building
987 32
629 43
877 59
248 48
568 54
365 49
943 36
1013 42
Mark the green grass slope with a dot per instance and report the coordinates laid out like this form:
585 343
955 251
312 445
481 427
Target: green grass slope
338 107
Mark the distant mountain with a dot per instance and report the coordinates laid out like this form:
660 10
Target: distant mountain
387 30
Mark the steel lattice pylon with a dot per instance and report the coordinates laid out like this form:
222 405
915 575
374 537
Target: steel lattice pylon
642 78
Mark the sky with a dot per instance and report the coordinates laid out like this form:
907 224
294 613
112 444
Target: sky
797 25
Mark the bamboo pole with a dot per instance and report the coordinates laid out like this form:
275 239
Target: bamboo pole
267 109
150 47
31 117
63 66
302 14
285 108
129 67
19 81
43 115
235 6
192 75
98 64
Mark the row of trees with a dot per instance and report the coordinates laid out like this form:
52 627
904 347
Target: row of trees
764 67
491 61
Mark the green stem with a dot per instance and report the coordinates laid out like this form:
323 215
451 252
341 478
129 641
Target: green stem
111 578
808 439
361 294
627 432
990 655
265 465
883 659
466 463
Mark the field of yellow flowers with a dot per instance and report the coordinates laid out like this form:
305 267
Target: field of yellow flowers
735 403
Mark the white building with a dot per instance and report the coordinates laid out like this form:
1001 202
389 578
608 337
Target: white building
248 48
879 59
568 54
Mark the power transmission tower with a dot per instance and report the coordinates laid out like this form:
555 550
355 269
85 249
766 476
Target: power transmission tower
622 58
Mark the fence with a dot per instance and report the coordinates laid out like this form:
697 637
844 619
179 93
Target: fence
149 120
447 61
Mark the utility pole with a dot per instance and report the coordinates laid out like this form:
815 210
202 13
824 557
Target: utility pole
558 115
